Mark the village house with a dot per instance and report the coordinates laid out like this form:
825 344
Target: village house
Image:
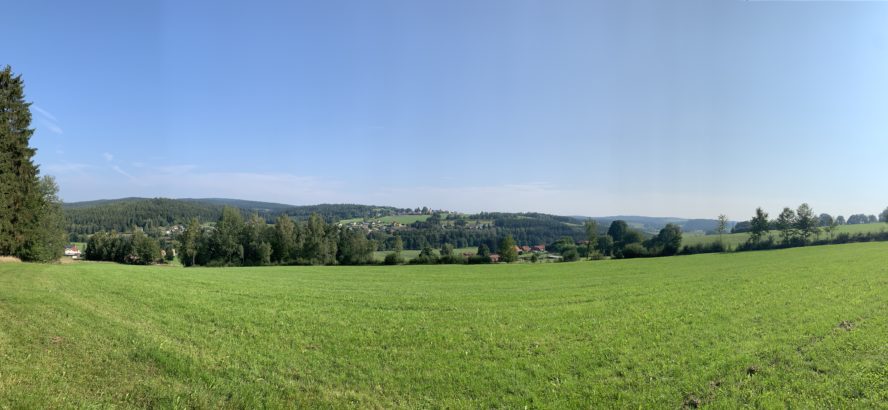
72 251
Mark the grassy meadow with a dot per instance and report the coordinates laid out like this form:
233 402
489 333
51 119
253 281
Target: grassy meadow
408 254
736 239
802 327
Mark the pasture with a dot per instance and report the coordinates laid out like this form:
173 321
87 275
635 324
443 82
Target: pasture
733 240
801 327
409 254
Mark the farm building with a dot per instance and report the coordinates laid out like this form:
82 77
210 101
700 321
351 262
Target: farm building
72 251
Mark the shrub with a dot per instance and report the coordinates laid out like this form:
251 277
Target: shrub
426 257
478 259
452 260
570 254
634 250
393 258
714 247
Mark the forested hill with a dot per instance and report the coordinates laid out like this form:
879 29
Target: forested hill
84 218
651 224
256 206
415 230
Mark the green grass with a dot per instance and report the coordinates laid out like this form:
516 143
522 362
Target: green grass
736 239
758 329
408 254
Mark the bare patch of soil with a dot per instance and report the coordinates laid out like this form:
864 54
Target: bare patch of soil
692 402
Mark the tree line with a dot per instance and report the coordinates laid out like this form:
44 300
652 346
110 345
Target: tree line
31 220
621 241
234 241
795 227
135 248
83 220
824 220
524 228
800 227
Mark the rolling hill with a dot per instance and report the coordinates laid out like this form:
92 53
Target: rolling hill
84 218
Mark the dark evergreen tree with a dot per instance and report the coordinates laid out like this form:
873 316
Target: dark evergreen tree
23 206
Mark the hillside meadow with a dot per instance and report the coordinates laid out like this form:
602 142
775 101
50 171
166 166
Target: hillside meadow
801 327
733 240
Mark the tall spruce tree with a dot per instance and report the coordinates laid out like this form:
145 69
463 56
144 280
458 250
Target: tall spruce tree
28 215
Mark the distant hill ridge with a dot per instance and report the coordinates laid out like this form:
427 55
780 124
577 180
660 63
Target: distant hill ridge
122 214
653 224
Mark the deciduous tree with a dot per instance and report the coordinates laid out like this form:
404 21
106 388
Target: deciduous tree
786 223
507 250
189 242
722 226
758 226
806 224
591 226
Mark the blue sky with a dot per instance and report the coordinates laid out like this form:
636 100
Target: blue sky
679 108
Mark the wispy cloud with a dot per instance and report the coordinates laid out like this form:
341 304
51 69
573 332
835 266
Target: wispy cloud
49 121
43 112
122 172
108 156
65 168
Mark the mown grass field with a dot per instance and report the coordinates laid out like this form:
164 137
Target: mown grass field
736 239
408 254
803 327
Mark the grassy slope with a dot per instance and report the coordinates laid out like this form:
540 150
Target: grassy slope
633 333
737 239
402 219
412 253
